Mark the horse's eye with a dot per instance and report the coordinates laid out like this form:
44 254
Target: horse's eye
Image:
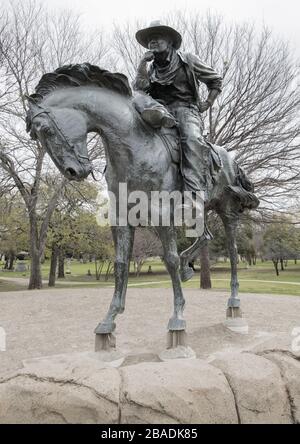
48 131
33 135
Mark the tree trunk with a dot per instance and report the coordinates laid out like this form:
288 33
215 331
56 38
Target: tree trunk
61 264
134 268
282 265
275 262
11 261
205 281
109 269
98 269
35 281
53 266
139 268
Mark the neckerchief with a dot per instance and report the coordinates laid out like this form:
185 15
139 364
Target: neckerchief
165 75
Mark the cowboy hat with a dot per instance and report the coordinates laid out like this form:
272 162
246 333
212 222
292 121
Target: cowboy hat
155 27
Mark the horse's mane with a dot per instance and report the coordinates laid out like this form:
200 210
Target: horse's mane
81 75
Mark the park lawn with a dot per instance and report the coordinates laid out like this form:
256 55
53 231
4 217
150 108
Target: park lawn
79 271
256 279
11 286
251 287
224 285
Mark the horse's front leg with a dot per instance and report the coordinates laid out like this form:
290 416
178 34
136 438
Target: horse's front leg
171 258
123 240
176 342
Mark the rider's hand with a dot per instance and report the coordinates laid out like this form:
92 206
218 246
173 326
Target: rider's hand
204 106
148 56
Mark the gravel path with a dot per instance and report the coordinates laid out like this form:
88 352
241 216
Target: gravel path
47 322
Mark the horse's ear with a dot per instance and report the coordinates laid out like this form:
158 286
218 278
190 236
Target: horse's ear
28 98
33 108
33 101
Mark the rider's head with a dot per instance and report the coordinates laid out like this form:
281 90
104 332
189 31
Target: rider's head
158 37
159 43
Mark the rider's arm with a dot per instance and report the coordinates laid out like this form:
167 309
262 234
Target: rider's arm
206 74
212 95
141 82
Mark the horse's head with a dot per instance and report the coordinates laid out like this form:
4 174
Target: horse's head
63 134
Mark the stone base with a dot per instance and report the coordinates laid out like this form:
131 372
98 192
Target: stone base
235 321
235 387
106 341
237 325
179 352
176 338
105 350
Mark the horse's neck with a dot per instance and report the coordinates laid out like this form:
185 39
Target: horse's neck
113 117
107 112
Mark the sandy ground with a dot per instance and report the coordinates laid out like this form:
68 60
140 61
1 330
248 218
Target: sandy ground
48 322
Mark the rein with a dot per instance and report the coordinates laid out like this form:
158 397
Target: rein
61 132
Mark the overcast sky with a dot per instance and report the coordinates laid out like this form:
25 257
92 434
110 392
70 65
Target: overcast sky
282 16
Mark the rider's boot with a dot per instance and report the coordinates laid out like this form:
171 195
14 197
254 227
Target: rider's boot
193 208
193 212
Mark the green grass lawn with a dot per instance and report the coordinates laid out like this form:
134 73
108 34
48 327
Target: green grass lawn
8 286
256 279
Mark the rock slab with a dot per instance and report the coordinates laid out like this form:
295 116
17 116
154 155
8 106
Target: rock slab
235 387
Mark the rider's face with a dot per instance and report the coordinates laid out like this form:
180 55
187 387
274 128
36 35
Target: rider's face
159 43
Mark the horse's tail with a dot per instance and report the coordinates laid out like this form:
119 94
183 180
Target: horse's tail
242 190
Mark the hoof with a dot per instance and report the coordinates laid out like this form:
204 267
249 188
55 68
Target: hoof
176 324
186 274
105 328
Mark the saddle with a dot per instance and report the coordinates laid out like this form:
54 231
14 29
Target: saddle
171 140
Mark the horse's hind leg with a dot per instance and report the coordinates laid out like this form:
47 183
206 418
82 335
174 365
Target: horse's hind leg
234 313
123 240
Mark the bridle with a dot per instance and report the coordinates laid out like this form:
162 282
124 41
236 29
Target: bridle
65 138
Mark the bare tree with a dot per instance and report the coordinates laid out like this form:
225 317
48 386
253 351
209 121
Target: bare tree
146 245
32 42
257 115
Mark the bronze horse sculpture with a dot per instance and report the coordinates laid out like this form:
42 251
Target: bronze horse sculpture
77 99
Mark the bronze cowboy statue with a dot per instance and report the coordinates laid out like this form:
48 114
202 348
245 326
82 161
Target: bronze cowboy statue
171 81
75 100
